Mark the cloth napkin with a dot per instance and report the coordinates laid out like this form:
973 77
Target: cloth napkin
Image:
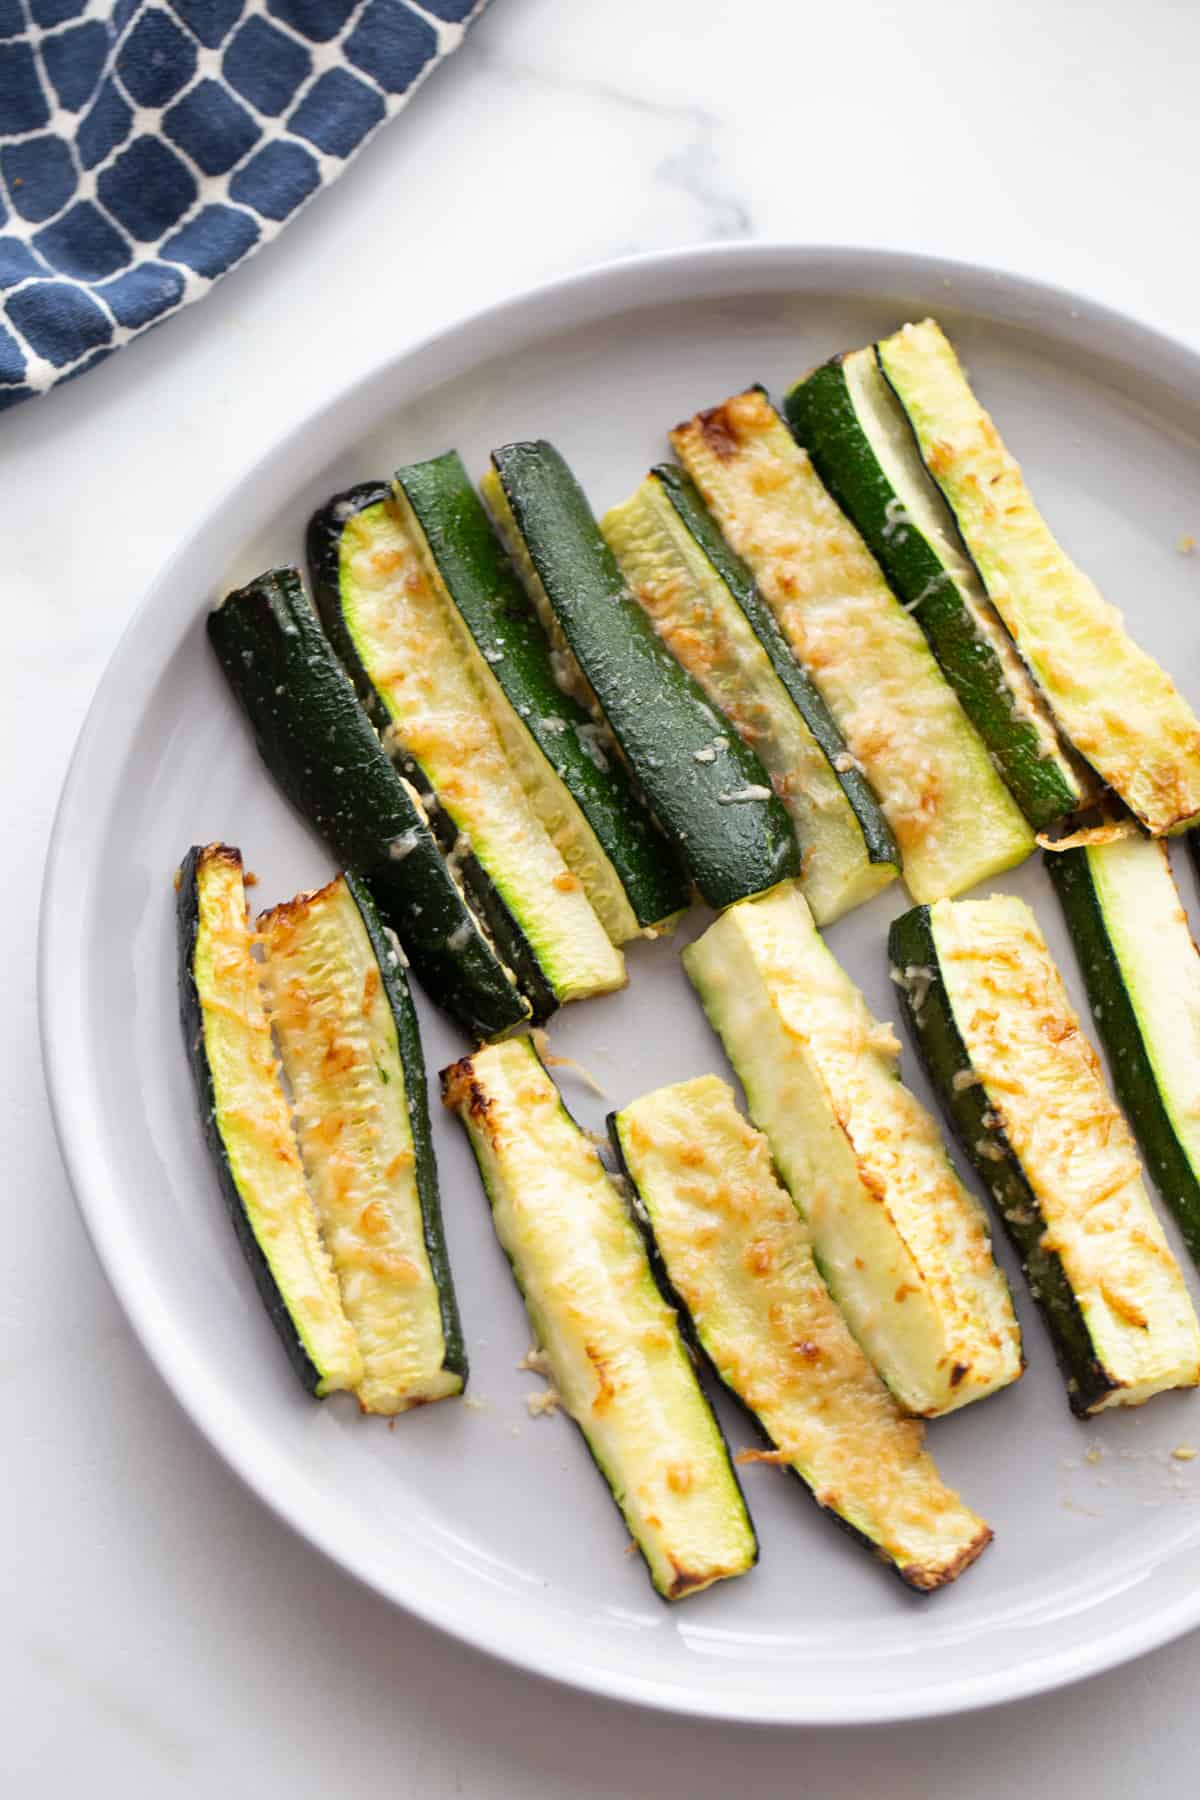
146 149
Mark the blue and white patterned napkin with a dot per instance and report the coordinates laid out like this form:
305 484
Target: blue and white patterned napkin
146 148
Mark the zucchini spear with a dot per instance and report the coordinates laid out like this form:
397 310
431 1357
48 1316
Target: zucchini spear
314 737
414 668
707 789
347 1032
708 612
247 1122
737 1257
850 422
1023 1088
1142 971
1113 703
611 1341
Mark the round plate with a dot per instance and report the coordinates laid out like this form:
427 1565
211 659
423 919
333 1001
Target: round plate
477 1517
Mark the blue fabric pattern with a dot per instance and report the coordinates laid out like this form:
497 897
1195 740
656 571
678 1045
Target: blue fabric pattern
148 146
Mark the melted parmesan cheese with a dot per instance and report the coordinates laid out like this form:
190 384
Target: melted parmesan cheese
342 1059
702 624
1046 1090
1118 708
610 1341
740 1258
255 1126
439 716
953 818
904 1246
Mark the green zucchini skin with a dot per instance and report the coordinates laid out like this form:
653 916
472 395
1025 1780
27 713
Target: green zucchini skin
821 414
325 755
1128 1058
943 1055
497 612
655 709
416 1090
187 918
684 496
324 563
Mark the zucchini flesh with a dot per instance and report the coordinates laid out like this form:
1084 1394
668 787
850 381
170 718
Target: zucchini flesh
399 639
248 1125
612 1342
567 764
954 819
722 813
323 751
1113 703
903 1245
1142 972
739 1259
850 422
1024 1089
701 602
347 1034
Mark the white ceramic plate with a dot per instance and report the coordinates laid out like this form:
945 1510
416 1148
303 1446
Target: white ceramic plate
491 1524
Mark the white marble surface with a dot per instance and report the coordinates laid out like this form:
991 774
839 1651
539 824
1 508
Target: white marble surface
162 1634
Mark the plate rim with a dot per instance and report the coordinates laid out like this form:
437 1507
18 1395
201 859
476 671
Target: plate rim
648 278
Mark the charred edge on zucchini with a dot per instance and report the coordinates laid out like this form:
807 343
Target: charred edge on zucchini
347 1031
568 763
612 1344
250 1135
322 750
1142 972
848 419
324 562
723 815
732 1254
535 908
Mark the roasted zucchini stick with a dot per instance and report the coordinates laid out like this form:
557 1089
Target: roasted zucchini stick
413 666
248 1126
736 1255
347 1032
706 609
903 1245
953 817
1024 1089
314 737
1139 962
850 422
1112 701
708 790
611 1341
